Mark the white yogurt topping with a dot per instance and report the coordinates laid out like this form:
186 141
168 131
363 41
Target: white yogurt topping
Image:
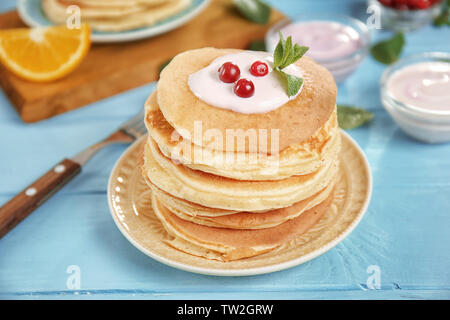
270 92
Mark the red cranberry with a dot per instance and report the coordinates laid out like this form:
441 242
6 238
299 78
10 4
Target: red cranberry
259 69
244 88
412 4
229 72
423 4
387 3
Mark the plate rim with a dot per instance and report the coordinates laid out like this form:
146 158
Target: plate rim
130 35
248 271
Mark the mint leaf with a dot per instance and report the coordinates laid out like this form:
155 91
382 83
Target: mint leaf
278 54
389 50
350 117
444 17
288 53
299 51
254 10
257 45
285 54
292 83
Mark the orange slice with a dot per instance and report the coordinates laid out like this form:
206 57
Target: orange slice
44 54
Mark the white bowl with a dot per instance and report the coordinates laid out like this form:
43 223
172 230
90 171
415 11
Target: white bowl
431 126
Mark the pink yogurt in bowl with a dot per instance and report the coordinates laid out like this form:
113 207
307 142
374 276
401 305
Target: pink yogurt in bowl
339 43
415 91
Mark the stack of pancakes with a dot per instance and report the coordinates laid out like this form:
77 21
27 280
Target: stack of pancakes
115 15
225 201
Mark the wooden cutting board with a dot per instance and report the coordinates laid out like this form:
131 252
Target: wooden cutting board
110 69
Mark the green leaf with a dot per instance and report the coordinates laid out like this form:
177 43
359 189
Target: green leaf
444 18
257 45
292 83
278 54
299 51
288 54
254 10
285 54
350 117
389 50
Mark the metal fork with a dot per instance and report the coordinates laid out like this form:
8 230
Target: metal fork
19 207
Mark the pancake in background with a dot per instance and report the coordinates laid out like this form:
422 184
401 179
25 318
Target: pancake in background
224 193
56 10
300 159
118 3
296 120
119 18
241 220
141 19
232 244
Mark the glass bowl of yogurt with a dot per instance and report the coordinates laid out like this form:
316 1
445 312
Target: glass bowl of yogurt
404 17
415 91
337 42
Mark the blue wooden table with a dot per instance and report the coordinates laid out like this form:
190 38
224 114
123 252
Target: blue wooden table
403 240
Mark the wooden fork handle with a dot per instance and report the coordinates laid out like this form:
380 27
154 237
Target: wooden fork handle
19 207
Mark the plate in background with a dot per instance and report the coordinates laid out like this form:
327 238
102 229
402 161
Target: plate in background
31 13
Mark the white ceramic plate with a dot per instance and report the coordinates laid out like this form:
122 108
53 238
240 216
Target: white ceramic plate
130 205
32 15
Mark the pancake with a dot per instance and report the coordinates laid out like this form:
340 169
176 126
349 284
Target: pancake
232 244
231 194
240 220
147 17
115 18
117 3
187 207
296 120
299 159
56 10
226 201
